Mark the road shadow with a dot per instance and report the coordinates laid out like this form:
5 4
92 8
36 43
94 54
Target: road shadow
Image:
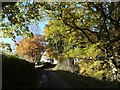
74 79
80 81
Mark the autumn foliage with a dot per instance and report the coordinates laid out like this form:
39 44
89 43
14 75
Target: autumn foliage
30 48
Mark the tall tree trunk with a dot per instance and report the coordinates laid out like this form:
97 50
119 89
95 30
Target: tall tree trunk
67 64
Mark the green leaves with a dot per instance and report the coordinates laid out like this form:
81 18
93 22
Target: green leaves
20 15
70 23
62 40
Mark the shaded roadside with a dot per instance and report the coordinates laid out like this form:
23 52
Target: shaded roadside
80 81
66 79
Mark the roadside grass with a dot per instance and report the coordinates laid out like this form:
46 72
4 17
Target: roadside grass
80 81
17 73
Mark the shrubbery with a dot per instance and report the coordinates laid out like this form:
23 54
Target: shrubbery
97 69
17 73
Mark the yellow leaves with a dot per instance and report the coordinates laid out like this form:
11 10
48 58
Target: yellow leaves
53 28
66 55
49 52
94 69
82 70
65 11
99 73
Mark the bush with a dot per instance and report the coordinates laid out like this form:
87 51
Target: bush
97 69
17 73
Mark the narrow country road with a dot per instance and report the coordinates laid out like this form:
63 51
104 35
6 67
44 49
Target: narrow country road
50 79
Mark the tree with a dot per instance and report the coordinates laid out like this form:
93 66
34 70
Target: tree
30 48
62 43
5 46
16 17
98 22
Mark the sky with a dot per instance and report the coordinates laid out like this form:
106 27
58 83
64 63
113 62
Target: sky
33 28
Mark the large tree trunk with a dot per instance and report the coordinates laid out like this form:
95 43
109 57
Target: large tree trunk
67 64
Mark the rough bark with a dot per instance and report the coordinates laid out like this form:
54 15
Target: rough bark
67 64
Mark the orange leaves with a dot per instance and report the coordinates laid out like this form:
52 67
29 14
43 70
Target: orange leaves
30 47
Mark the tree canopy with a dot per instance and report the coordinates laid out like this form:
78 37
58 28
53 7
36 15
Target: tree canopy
74 30
96 21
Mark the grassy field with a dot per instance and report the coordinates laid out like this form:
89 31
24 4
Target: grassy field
18 73
80 81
